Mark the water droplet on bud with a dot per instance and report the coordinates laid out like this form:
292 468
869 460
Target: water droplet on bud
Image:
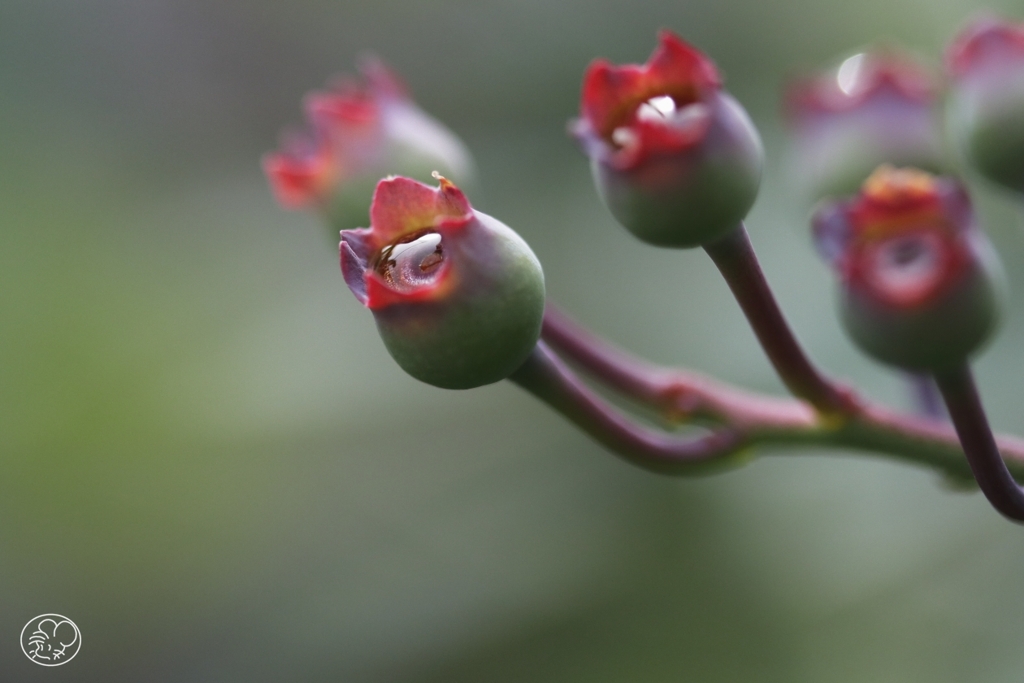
664 110
656 108
413 263
908 268
851 75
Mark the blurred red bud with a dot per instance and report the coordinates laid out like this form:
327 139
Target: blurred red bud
919 282
986 62
359 133
876 107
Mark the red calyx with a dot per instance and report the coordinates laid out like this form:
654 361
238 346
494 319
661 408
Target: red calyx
905 247
657 107
404 212
985 41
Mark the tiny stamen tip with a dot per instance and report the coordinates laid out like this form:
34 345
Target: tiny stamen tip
444 182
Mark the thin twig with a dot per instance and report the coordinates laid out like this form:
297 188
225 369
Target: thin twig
546 377
677 395
767 421
968 415
735 258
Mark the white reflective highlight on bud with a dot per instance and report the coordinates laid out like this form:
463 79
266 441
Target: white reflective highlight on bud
656 109
408 265
907 268
692 116
848 75
663 110
624 137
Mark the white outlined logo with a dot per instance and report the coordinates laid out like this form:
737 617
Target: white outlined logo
50 640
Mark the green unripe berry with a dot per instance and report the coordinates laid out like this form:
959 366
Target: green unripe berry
920 286
675 158
934 334
457 295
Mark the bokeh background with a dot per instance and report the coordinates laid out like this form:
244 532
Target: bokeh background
209 462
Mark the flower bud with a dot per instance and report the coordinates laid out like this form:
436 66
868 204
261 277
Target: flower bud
458 297
877 107
361 132
986 109
920 285
675 158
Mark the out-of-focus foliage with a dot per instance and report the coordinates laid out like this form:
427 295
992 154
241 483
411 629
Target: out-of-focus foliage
209 462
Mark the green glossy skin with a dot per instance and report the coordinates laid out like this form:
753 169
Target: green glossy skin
936 336
986 114
690 198
485 328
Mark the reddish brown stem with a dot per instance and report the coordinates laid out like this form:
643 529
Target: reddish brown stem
767 420
968 415
546 377
735 258
678 395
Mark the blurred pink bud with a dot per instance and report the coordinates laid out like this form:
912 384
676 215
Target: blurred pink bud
986 62
877 107
986 43
359 133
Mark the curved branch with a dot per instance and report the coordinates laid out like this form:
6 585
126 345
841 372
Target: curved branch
736 261
546 377
766 420
677 395
968 415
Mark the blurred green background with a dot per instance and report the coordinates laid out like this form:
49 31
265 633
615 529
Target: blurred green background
209 462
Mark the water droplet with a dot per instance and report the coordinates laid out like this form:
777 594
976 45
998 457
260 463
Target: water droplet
412 263
688 120
908 268
656 109
693 117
